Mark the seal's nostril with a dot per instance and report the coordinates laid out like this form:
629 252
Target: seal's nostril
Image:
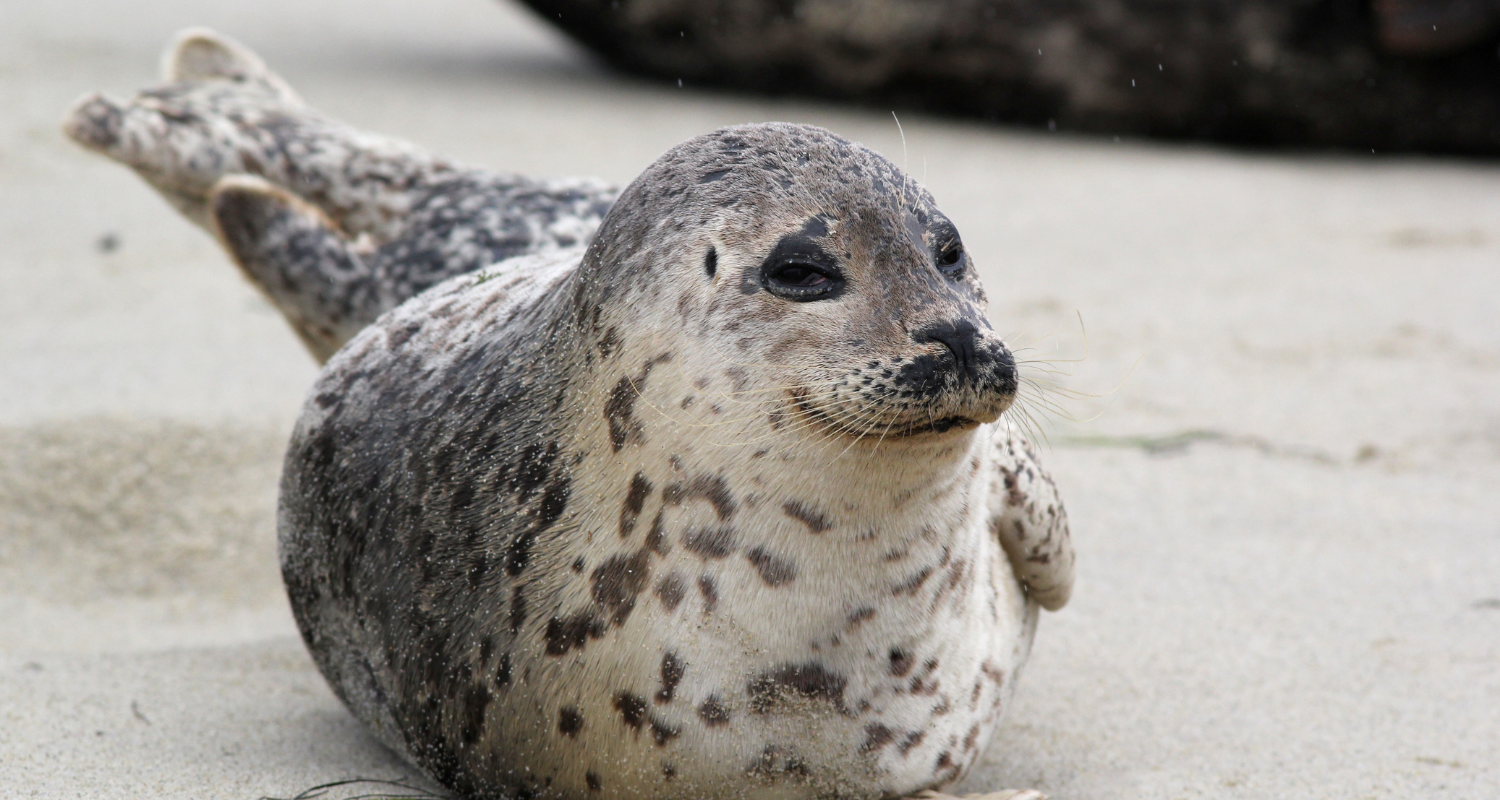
961 339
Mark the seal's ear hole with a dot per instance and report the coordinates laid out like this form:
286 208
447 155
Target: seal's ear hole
711 262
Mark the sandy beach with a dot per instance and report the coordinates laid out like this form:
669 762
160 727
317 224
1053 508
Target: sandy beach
1285 491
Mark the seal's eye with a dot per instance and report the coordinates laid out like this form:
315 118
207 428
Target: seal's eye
951 259
799 269
799 281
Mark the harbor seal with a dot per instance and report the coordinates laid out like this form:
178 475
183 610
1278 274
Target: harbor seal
721 504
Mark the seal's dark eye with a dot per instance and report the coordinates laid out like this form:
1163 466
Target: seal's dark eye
799 275
951 259
799 269
798 281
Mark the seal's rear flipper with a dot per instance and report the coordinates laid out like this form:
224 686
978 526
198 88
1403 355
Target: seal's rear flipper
290 250
200 54
222 111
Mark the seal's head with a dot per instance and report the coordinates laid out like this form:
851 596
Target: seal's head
808 263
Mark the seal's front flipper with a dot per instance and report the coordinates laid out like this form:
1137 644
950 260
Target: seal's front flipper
1027 516
290 250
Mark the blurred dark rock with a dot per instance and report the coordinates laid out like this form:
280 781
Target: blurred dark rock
1286 72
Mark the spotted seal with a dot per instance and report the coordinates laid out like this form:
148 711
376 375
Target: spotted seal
704 491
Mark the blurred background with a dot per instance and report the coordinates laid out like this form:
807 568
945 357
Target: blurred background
1284 494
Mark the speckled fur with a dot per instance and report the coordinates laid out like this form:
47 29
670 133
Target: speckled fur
620 522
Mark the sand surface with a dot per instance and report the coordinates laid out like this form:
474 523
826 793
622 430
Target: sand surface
1285 507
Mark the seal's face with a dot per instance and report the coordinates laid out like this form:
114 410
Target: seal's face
879 327
820 278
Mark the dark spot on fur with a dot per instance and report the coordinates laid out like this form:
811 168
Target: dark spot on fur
672 670
876 737
592 779
807 515
572 633
808 681
662 732
859 615
517 609
992 672
619 409
670 590
476 702
971 739
710 591
668 771
635 499
554 501
609 343
532 469
901 662
717 541
713 712
569 721
919 683
712 488
776 762
912 740
502 672
632 709
912 584
711 263
1013 495
633 712
619 581
400 336
656 538
774 571
579 564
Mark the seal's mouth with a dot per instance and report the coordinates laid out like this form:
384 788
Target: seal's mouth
941 425
879 429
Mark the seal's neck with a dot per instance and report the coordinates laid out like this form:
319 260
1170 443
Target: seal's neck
888 472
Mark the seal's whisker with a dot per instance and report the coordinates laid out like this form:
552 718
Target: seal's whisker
1048 387
855 422
1042 398
878 442
1045 368
883 432
1027 423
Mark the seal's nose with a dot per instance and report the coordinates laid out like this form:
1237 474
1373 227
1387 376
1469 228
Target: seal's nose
961 338
980 362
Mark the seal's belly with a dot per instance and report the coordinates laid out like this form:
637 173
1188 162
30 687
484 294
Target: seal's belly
722 684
